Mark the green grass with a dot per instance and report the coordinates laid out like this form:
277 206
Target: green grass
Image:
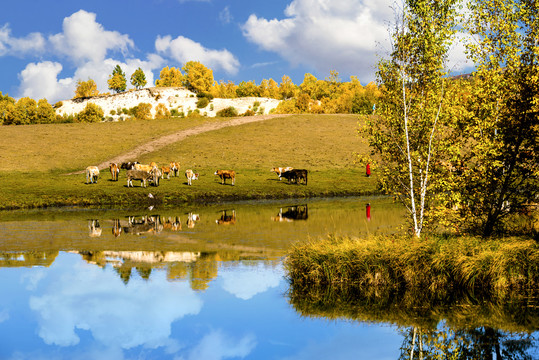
36 158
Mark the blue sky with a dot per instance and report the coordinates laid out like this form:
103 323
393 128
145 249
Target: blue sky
46 46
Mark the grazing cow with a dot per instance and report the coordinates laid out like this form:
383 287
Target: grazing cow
92 173
295 175
143 167
280 170
175 168
141 175
165 170
227 219
190 175
156 175
129 165
114 171
226 174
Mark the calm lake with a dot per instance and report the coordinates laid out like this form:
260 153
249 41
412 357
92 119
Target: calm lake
207 282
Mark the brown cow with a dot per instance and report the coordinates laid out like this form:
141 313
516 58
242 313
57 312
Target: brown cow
141 175
165 170
114 171
226 174
295 175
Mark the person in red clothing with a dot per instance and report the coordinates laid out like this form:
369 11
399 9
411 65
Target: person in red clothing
368 169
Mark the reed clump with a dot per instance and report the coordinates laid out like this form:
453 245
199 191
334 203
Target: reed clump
433 264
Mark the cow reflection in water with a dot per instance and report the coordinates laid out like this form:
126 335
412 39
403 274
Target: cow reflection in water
94 229
292 213
227 219
192 219
143 225
172 224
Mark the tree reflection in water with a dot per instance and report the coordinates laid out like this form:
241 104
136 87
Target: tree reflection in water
443 326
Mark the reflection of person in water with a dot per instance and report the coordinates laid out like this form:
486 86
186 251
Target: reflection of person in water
368 212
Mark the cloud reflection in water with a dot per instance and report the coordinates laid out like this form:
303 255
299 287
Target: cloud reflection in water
88 298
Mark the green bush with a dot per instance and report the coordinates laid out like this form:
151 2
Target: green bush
227 112
202 102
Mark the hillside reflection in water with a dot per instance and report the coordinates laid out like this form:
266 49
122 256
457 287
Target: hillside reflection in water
194 283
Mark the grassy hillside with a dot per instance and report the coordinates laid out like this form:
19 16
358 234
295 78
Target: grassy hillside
35 160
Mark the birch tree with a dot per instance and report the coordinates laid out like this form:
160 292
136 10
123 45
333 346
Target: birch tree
405 135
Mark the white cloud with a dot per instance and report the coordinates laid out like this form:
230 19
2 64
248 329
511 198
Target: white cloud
33 43
83 39
217 345
326 35
245 282
40 80
183 50
116 315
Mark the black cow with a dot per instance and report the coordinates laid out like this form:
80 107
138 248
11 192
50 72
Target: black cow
295 175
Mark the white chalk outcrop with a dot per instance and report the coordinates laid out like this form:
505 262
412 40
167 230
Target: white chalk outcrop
177 98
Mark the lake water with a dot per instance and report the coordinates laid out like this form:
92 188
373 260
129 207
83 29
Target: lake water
207 282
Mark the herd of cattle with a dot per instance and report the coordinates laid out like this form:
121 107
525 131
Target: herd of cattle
152 173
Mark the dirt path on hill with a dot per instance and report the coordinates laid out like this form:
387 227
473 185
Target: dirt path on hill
178 136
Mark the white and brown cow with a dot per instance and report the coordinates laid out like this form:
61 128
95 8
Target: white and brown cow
92 173
114 171
226 174
175 168
143 167
190 175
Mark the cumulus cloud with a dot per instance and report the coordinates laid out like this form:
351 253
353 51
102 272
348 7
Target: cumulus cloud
116 315
40 81
325 35
83 39
245 282
183 50
33 43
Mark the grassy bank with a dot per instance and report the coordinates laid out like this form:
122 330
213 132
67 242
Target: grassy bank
36 159
434 264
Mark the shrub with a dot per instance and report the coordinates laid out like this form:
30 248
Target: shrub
227 112
248 112
58 104
161 111
211 107
91 113
142 111
204 94
113 112
202 102
194 114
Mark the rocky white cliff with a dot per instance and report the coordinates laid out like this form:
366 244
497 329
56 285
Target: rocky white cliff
178 98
